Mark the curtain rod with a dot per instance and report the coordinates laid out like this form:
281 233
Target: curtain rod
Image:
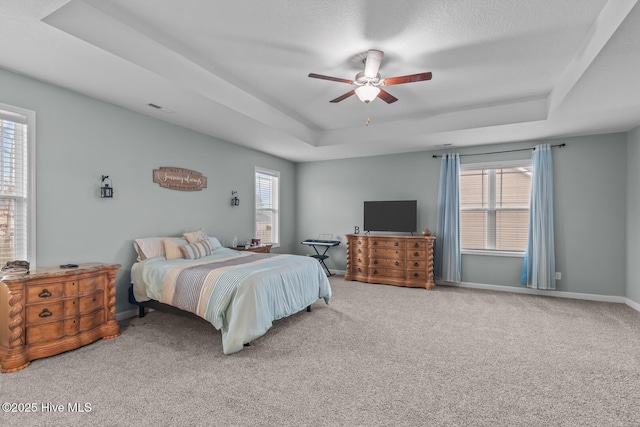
435 156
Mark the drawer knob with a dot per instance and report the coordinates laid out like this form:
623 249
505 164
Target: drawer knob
416 254
416 264
375 271
415 245
375 243
375 261
44 293
45 313
396 244
397 263
416 275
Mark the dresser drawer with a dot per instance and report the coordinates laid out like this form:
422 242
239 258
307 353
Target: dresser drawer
71 326
47 291
43 313
90 284
358 242
387 243
416 244
415 254
417 275
41 293
386 272
358 251
416 264
90 302
44 332
358 259
387 263
359 269
91 320
387 253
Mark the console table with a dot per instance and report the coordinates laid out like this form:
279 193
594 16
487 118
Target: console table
391 260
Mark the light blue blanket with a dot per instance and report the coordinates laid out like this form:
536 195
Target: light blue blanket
240 293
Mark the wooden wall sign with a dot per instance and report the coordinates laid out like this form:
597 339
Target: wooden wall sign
179 179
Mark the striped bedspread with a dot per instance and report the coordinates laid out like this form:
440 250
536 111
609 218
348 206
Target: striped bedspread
240 293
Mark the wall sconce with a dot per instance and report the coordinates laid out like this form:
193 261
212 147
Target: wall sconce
234 200
106 190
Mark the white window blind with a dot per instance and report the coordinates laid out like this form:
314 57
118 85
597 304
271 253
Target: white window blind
267 222
494 206
15 187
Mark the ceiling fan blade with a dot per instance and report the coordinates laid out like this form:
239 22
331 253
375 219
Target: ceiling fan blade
387 97
372 63
333 79
406 79
345 96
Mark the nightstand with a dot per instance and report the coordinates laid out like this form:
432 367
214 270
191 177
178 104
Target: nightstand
263 249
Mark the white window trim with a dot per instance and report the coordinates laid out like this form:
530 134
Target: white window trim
31 184
495 165
276 174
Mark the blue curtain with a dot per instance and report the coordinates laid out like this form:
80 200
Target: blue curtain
448 259
538 269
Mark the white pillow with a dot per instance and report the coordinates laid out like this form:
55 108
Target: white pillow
215 243
149 247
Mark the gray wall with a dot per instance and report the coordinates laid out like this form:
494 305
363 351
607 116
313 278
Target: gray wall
79 139
633 216
589 203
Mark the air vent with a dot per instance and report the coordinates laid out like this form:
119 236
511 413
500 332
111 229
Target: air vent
158 107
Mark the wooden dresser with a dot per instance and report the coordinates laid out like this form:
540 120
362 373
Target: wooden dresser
392 260
53 310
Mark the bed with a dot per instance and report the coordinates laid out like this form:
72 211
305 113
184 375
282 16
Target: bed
239 293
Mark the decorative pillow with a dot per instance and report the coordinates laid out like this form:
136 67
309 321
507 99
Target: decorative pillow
149 247
172 248
215 243
196 236
196 250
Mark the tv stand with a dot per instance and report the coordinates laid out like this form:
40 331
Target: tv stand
391 260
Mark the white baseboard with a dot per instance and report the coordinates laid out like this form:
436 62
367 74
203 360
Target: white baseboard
542 292
126 314
632 304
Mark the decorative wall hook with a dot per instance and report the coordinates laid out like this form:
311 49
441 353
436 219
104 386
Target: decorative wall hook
234 200
106 191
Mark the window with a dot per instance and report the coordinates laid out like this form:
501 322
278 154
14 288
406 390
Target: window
17 184
494 206
267 206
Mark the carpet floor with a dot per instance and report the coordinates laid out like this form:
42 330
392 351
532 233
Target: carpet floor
375 356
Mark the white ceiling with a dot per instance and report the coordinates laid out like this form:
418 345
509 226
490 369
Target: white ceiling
503 70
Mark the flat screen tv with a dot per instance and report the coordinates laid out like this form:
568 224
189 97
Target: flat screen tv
393 215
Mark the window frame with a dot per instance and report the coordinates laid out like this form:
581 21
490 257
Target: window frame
275 209
29 175
495 165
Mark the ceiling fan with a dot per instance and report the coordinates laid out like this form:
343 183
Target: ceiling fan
369 80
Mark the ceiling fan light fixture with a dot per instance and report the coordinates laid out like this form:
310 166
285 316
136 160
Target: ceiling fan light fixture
367 93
